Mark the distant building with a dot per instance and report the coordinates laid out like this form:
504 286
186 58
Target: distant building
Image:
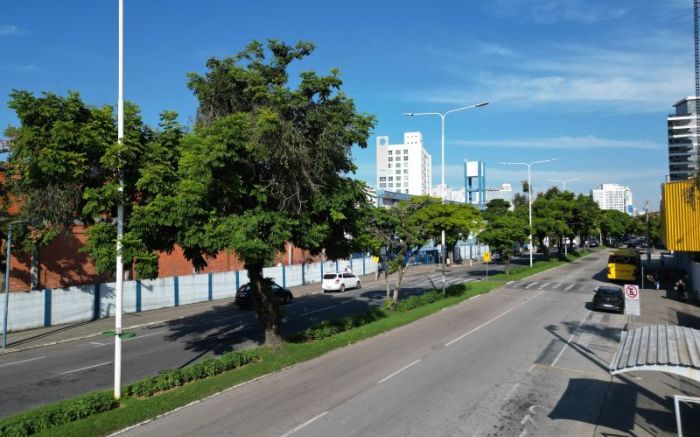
404 168
504 192
683 152
450 195
613 196
475 182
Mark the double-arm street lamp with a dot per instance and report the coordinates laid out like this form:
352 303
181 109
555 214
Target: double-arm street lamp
442 116
563 182
529 193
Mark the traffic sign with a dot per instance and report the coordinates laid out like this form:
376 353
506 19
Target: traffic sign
632 305
487 257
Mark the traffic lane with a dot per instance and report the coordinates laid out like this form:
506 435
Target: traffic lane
295 395
458 387
59 371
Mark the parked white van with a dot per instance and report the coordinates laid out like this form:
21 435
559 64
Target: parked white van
340 281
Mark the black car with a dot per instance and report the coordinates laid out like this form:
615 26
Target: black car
609 298
592 243
244 298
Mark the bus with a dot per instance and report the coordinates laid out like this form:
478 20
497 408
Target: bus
623 265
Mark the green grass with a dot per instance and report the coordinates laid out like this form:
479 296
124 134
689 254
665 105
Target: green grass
134 410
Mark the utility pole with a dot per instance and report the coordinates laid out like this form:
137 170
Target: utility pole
120 218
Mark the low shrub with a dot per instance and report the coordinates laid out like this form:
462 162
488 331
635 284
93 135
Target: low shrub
328 328
171 378
41 419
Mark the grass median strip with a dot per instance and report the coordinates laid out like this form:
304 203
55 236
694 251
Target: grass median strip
176 388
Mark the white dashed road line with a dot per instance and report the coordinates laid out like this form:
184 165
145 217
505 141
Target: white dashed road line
22 361
86 368
561 352
318 310
307 423
399 371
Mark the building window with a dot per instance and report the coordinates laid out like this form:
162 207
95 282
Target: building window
388 165
398 178
405 184
398 165
398 171
391 178
405 170
389 152
391 185
382 178
398 152
405 150
405 158
391 159
382 185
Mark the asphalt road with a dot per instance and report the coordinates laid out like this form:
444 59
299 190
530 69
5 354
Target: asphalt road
527 359
52 373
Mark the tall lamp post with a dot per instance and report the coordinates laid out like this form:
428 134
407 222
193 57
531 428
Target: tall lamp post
442 116
120 217
563 182
529 193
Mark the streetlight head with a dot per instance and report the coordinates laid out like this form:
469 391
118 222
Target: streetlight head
408 114
479 105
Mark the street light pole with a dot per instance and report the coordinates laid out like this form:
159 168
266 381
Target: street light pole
529 194
120 218
563 182
442 116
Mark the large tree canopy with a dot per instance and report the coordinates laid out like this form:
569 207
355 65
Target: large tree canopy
266 163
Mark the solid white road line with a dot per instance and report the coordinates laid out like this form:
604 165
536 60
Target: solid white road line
307 423
86 368
22 361
449 343
317 311
561 352
399 371
511 391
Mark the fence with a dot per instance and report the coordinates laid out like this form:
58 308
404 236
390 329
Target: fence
48 307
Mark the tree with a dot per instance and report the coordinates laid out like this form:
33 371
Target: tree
503 233
65 165
265 164
495 208
586 216
458 220
552 214
614 224
520 201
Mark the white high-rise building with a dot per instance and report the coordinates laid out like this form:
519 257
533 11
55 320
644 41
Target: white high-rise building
683 150
613 196
404 168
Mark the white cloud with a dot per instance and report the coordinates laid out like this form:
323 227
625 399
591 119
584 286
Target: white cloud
14 68
619 78
556 11
10 29
565 142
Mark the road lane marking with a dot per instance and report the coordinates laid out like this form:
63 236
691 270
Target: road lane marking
22 361
474 297
451 342
532 284
138 336
307 423
399 371
561 352
569 287
511 391
86 368
317 311
544 284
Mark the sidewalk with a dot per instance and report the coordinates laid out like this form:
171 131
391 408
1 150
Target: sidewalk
33 338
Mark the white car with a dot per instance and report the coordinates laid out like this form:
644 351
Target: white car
340 281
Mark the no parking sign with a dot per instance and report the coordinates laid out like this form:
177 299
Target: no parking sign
632 306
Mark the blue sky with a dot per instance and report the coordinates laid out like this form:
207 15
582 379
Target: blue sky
587 81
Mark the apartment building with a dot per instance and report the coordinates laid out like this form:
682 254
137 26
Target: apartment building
613 196
683 140
404 168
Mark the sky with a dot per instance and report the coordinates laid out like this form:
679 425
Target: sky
589 82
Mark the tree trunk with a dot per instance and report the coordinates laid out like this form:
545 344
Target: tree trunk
266 307
506 262
397 287
386 282
35 268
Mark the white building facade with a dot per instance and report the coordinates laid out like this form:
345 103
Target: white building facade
404 168
683 152
613 196
504 192
450 194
